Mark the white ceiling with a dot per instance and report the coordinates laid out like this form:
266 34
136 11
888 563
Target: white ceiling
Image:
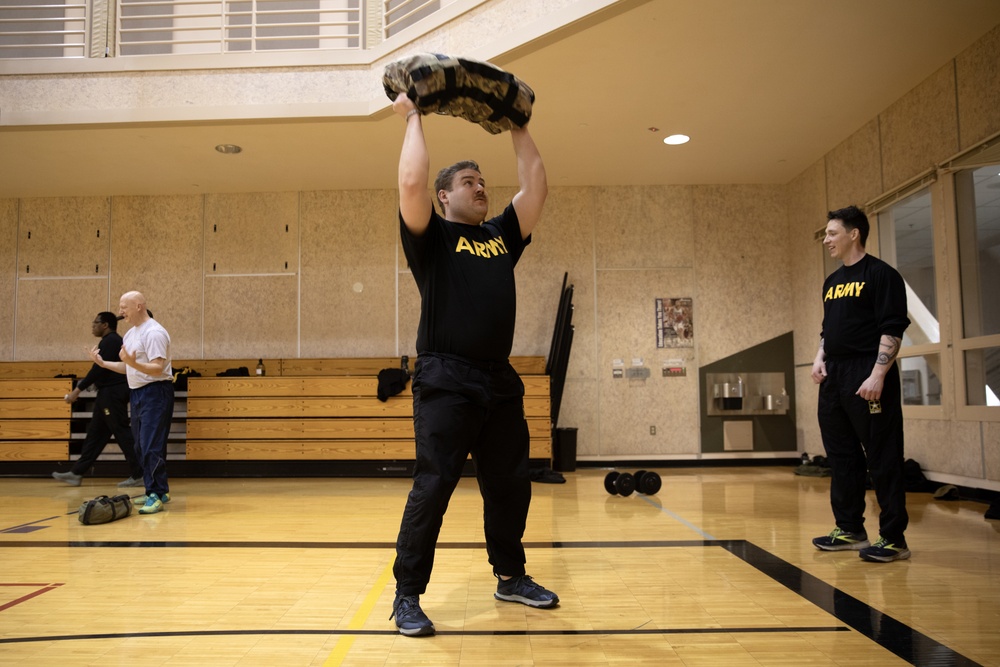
765 88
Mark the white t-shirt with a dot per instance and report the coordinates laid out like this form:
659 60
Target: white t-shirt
147 341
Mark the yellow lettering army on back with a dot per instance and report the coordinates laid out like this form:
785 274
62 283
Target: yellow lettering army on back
491 248
844 290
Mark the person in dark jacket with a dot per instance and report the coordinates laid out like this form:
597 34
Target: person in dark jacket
860 407
110 416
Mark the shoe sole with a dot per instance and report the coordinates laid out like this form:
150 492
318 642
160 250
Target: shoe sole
417 632
141 500
902 555
152 510
846 547
543 604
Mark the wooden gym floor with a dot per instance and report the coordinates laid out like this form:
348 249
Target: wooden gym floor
716 569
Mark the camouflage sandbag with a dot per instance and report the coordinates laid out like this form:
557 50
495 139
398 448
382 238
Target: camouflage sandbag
471 89
103 509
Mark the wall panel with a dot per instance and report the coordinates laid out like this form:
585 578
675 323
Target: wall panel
741 269
991 452
919 129
648 227
562 243
8 274
807 208
63 236
157 249
806 421
54 316
348 277
953 447
854 170
977 77
248 233
577 410
627 330
250 316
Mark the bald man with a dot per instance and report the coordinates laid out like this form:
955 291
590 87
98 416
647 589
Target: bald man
145 361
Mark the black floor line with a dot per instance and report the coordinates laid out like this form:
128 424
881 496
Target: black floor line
903 641
451 633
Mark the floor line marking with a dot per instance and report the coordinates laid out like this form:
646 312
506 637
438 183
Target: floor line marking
345 642
30 523
449 633
678 518
25 598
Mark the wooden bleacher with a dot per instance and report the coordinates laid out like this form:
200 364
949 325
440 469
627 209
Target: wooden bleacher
318 418
34 419
302 409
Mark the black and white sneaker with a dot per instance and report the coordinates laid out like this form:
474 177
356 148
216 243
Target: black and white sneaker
884 551
410 618
524 590
841 540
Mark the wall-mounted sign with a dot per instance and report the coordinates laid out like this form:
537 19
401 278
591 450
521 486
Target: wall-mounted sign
674 368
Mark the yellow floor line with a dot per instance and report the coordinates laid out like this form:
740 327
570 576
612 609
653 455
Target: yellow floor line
360 618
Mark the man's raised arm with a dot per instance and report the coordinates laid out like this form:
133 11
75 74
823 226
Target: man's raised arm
414 169
532 180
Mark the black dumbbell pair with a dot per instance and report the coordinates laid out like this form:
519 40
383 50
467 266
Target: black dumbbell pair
645 482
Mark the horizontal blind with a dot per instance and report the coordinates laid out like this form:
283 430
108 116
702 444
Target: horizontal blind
400 14
43 29
157 27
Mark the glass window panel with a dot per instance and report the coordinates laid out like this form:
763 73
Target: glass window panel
982 376
978 201
920 379
906 237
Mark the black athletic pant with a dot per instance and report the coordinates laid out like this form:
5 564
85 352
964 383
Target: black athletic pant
858 439
462 407
110 418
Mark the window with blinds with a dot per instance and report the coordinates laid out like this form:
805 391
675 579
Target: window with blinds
156 27
400 14
110 28
43 29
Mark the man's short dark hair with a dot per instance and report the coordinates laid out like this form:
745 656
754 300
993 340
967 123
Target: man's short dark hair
446 176
853 218
110 319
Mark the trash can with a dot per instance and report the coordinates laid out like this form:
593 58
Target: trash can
564 450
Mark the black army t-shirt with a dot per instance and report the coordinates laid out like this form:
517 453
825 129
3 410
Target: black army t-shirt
465 275
860 303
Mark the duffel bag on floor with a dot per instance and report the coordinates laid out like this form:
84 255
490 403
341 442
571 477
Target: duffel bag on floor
103 509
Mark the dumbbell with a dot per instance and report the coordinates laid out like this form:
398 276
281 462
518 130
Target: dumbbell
647 482
622 484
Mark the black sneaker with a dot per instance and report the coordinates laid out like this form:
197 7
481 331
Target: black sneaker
522 589
884 552
410 618
841 540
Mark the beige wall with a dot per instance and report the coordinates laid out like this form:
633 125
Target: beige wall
321 274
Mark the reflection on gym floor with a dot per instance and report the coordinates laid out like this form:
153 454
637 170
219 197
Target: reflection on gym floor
714 568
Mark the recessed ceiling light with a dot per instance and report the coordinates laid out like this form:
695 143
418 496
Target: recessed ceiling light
228 149
677 139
